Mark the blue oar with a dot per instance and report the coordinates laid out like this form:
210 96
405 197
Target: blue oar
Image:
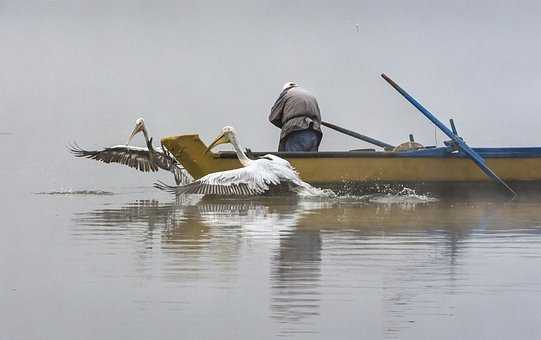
474 156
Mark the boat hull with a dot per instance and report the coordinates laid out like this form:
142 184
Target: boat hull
428 168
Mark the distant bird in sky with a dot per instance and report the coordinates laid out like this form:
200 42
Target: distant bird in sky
253 178
146 159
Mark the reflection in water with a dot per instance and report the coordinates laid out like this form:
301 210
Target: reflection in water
295 279
324 254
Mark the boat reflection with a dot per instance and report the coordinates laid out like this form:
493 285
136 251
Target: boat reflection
407 250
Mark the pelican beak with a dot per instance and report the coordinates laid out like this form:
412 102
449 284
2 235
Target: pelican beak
221 139
138 128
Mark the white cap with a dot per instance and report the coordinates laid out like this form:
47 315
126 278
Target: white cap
288 85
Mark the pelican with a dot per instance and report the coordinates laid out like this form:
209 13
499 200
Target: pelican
144 159
253 178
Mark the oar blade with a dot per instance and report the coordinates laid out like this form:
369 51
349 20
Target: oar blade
480 162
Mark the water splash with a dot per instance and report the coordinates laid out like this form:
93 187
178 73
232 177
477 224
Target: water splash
405 196
308 191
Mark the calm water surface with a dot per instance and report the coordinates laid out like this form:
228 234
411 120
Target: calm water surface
138 264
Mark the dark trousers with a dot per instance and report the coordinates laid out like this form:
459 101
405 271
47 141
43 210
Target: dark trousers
303 140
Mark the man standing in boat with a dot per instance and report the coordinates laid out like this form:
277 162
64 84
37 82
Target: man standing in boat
296 112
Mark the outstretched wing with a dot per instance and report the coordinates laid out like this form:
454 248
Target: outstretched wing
132 156
207 189
181 175
250 180
165 160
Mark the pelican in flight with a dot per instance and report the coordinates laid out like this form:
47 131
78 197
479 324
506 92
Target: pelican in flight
253 178
144 159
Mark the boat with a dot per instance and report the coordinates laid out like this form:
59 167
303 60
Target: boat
453 168
430 169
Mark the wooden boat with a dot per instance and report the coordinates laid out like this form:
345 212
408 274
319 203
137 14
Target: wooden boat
452 168
429 169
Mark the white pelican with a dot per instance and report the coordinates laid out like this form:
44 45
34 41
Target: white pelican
144 159
254 178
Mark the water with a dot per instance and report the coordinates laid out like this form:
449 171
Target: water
126 263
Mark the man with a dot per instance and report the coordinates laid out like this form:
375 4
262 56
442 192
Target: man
296 112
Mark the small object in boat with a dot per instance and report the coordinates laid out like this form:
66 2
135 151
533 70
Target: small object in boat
410 145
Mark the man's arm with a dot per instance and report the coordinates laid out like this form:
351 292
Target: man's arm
277 110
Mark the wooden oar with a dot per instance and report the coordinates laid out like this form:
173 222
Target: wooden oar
358 135
474 156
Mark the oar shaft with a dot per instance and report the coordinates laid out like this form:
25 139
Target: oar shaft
419 107
357 135
474 156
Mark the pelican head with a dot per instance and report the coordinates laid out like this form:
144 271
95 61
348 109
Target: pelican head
139 127
288 85
228 135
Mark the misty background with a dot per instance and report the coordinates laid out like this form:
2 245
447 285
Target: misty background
85 70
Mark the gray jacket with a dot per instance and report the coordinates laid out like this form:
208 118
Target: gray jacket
295 109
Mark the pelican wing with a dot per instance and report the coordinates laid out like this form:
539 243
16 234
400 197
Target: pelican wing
207 189
165 160
251 180
132 156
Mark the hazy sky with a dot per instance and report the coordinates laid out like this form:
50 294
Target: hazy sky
85 70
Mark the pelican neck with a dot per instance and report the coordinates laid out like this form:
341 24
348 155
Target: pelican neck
244 160
145 132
